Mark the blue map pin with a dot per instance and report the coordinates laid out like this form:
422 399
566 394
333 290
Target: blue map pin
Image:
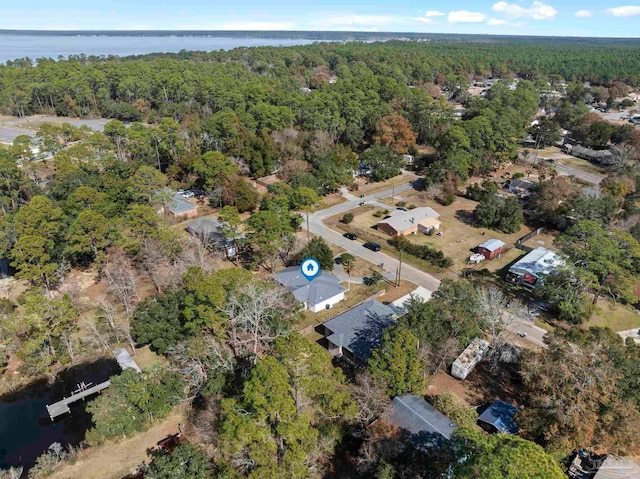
310 268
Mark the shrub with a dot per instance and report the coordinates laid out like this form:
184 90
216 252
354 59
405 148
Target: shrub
347 218
517 176
411 206
430 255
377 214
401 204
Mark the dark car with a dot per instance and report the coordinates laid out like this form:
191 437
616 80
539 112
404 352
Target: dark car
372 246
351 236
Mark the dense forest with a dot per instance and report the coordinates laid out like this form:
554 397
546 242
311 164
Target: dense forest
258 397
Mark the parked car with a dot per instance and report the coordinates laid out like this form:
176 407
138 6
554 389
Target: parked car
400 208
372 246
351 236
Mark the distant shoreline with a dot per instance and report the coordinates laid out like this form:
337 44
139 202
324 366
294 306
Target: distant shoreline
309 35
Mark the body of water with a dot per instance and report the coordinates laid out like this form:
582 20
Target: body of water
14 46
26 431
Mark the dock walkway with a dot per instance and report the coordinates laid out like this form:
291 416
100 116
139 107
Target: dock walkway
85 390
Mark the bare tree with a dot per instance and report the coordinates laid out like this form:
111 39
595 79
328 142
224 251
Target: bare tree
151 260
371 397
215 358
96 335
258 314
121 279
498 312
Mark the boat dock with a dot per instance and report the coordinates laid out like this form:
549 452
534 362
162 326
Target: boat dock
85 390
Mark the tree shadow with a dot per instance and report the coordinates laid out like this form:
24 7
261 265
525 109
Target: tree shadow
368 334
467 217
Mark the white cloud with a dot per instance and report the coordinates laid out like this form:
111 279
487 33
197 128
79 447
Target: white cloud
433 13
537 11
465 16
626 11
583 14
496 21
425 20
250 25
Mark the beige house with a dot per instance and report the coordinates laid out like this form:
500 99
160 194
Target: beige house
403 223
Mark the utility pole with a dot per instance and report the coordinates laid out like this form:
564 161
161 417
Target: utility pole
393 194
399 272
308 234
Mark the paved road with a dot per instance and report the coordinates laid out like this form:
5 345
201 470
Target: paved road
409 273
534 334
592 178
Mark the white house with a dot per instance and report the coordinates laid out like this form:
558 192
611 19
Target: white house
323 292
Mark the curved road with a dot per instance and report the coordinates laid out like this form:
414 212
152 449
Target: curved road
317 227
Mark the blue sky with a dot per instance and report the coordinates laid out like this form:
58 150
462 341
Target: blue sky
526 17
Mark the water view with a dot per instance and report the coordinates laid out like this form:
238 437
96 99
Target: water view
26 430
13 46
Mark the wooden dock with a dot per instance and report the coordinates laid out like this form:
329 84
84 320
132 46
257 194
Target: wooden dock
62 407
85 390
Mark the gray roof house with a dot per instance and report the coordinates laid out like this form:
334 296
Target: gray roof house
356 332
499 417
427 427
321 293
180 207
596 156
207 230
520 187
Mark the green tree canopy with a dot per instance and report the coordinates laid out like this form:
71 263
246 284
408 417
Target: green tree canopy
397 362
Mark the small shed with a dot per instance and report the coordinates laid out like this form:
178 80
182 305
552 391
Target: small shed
499 417
491 248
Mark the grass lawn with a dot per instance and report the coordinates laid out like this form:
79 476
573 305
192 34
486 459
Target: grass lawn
357 294
582 165
114 460
370 188
146 358
459 235
612 315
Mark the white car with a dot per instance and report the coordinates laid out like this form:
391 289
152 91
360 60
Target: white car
476 258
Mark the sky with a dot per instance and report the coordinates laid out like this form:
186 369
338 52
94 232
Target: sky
597 18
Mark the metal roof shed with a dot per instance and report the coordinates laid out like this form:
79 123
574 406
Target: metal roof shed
499 417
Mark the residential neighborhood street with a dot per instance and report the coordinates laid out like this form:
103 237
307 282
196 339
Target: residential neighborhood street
564 170
410 273
534 333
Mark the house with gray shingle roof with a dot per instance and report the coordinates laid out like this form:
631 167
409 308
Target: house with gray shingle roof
180 207
356 332
425 426
316 295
